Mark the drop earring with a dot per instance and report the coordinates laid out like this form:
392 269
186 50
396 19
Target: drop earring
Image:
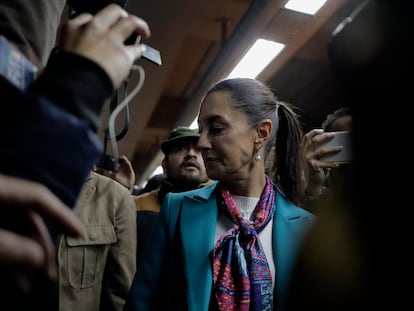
257 157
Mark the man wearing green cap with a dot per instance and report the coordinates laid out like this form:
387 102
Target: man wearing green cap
184 170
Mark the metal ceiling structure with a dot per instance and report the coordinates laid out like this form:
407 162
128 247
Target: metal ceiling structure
201 41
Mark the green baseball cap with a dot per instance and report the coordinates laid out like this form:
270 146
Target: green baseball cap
180 134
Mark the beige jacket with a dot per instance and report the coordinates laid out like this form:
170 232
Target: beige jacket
96 271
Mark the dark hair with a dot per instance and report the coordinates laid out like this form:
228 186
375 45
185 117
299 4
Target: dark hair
331 118
283 153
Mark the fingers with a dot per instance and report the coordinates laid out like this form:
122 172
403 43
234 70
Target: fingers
32 250
127 26
315 158
65 38
109 15
111 21
80 20
20 250
323 138
313 133
120 23
101 38
314 150
317 137
308 139
321 150
25 240
41 234
24 194
123 24
314 139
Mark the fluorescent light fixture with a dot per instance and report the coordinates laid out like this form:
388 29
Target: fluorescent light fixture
256 59
253 62
305 6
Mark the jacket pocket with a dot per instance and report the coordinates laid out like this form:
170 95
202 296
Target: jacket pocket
87 255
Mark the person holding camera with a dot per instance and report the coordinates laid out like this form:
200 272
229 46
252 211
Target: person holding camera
326 176
49 122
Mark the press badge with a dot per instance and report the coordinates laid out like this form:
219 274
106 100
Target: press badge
15 66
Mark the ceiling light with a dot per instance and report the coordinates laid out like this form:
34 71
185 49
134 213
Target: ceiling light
253 62
305 6
256 59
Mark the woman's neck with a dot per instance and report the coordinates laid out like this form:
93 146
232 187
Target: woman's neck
250 187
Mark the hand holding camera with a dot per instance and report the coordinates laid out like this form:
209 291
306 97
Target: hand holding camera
338 149
101 38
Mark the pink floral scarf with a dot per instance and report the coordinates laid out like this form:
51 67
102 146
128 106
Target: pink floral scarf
241 273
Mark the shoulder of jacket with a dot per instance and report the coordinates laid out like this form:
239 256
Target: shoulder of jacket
148 201
199 194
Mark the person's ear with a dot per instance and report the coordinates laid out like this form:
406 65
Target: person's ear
263 131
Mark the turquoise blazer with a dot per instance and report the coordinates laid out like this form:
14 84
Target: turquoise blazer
175 272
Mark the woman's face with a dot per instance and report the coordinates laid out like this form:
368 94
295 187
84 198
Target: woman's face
227 140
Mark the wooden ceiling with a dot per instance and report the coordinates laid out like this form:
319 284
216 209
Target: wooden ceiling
200 42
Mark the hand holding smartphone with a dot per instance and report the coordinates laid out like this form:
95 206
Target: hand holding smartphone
341 138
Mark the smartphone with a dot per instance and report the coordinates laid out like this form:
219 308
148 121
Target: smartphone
344 139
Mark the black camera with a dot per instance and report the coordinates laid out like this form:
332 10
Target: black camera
92 6
107 163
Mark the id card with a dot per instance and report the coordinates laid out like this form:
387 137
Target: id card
14 65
